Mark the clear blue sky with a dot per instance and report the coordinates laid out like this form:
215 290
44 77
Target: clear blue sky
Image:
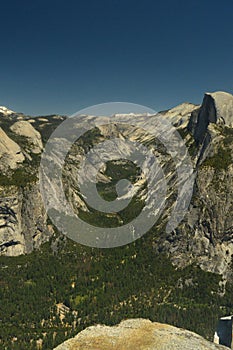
61 56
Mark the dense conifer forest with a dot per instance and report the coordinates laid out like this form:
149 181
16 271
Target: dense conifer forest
102 286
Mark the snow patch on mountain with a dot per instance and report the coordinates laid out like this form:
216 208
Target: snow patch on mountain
5 110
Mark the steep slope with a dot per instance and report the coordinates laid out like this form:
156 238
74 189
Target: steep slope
23 220
203 237
24 128
10 153
137 280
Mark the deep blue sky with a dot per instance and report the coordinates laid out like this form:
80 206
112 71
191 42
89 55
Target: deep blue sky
61 56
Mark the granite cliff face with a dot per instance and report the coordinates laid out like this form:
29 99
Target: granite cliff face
10 153
23 220
24 128
216 108
137 334
203 237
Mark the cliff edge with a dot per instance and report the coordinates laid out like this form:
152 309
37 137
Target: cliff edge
140 334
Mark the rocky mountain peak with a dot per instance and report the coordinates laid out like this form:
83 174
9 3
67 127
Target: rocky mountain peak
223 102
216 108
180 115
24 128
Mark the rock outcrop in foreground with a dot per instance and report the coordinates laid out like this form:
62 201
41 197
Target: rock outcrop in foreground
137 334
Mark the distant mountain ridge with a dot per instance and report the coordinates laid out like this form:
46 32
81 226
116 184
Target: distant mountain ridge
204 236
182 277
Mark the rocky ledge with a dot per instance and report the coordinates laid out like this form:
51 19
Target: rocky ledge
138 334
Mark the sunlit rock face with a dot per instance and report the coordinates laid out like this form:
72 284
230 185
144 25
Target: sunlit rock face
23 220
224 107
208 223
24 128
137 334
180 115
217 108
10 153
